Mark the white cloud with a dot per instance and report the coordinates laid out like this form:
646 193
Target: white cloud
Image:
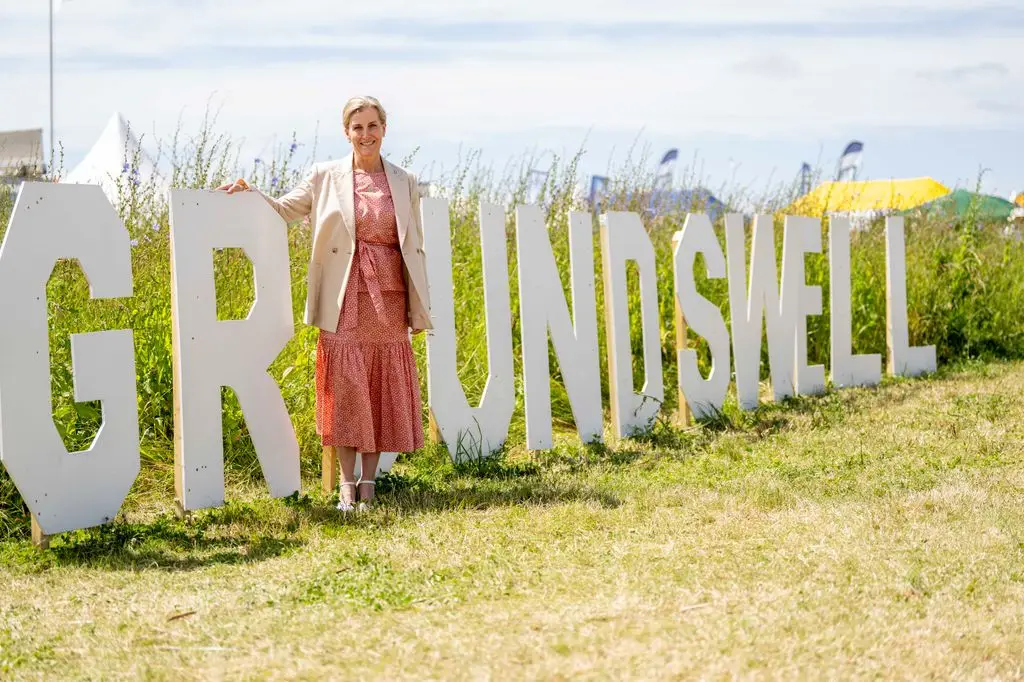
307 13
478 82
147 28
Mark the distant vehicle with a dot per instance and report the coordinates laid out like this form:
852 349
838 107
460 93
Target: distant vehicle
21 155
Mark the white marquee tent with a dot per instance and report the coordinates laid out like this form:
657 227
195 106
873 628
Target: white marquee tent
117 157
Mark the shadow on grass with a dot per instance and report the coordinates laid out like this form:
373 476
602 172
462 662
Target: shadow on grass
427 482
825 410
165 543
244 532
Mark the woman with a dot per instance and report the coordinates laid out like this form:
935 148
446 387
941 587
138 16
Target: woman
367 289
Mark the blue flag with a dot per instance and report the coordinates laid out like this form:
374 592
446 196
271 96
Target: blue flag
849 162
666 169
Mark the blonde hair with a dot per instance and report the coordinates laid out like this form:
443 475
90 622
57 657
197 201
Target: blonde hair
357 104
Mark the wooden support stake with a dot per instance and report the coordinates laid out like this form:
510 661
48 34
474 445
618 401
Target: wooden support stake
180 511
329 470
683 416
609 330
890 356
39 539
178 417
434 431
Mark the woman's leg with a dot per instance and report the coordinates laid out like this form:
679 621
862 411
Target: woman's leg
369 472
347 456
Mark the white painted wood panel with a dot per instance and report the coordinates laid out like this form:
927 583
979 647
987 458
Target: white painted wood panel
704 396
904 360
542 307
624 239
802 236
750 307
65 491
469 431
209 353
847 369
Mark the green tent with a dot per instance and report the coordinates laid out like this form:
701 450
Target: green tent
960 203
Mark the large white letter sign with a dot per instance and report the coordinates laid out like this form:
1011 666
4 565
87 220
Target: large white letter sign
541 307
802 236
466 430
748 309
904 359
65 491
209 353
705 397
623 239
847 369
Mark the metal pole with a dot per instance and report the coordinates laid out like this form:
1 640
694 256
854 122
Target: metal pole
53 138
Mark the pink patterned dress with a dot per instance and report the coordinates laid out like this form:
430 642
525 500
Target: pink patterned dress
367 389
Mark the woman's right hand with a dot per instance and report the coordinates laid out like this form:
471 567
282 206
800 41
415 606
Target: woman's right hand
239 185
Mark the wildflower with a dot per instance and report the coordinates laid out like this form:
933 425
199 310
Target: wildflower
135 242
273 181
124 168
293 147
156 226
256 161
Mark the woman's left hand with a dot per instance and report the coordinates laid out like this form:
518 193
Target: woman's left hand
239 185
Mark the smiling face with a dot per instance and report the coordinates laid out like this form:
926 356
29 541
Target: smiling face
365 131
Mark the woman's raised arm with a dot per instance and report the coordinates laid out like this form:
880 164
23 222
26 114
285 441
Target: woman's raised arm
293 206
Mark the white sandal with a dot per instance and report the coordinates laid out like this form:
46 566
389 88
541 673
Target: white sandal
363 506
342 504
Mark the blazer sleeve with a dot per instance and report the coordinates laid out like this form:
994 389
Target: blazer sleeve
297 203
414 198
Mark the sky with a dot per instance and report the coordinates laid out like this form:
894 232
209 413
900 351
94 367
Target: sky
746 89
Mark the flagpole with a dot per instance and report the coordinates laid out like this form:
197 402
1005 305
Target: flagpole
53 138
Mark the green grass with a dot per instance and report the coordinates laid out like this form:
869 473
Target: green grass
861 533
964 284
867 533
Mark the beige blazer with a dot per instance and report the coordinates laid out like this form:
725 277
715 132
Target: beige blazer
326 196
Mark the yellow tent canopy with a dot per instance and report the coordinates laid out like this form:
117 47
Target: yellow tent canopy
865 196
1020 199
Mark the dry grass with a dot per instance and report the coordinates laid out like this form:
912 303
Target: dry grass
865 534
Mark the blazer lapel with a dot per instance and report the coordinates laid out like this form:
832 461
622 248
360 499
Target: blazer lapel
346 196
400 197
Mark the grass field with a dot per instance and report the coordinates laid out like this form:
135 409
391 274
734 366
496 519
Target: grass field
870 533
965 281
864 534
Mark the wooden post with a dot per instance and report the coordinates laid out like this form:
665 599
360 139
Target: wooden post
683 416
181 512
39 539
890 356
179 485
433 431
609 329
329 470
